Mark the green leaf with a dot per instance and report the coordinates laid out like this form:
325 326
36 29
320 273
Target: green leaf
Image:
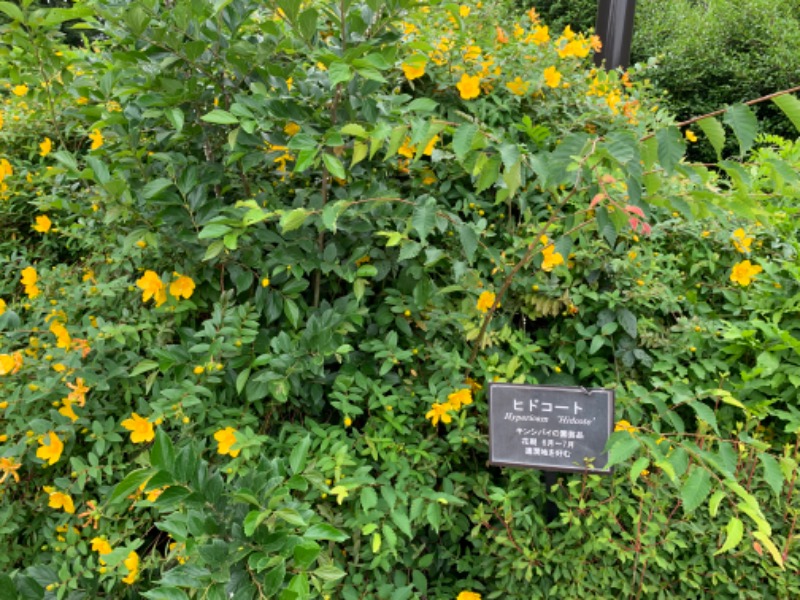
162 454
155 187
670 148
734 531
7 588
713 504
339 72
273 581
462 140
469 241
695 489
329 573
771 547
307 23
488 174
294 219
175 117
12 11
422 105
143 367
253 519
220 117
424 218
324 531
334 166
790 106
715 133
401 520
622 445
130 484
598 342
744 124
297 459
369 499
772 472
627 320
166 593
704 413
291 516
637 468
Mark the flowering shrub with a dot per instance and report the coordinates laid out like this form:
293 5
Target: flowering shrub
265 258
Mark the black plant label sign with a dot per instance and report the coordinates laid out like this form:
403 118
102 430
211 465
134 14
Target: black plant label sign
550 428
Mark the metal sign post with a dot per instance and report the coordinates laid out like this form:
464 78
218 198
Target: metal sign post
615 28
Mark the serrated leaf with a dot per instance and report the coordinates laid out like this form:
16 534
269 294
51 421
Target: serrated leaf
622 445
488 174
297 459
627 320
695 489
771 547
334 166
329 573
772 472
704 413
403 524
714 132
744 124
469 241
359 153
790 106
294 219
339 72
714 502
324 531
637 468
369 499
734 531
423 220
220 117
462 140
670 148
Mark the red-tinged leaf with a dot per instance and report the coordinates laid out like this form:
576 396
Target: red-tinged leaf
757 548
634 223
634 210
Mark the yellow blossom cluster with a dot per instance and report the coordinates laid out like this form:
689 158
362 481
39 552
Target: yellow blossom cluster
225 439
440 411
182 286
743 273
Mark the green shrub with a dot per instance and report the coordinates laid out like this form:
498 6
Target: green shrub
287 248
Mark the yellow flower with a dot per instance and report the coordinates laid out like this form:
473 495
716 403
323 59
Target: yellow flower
341 493
413 70
45 147
183 286
29 276
63 339
225 439
291 128
624 425
10 363
438 412
6 170
101 546
551 258
485 301
152 287
43 224
462 397
9 466
578 48
19 90
406 149
552 77
741 242
429 147
463 11
97 139
469 596
60 500
348 421
501 36
141 429
743 272
78 393
67 410
132 564
518 87
50 451
469 86
690 135
3 306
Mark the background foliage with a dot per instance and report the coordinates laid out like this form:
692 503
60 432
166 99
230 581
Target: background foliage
280 237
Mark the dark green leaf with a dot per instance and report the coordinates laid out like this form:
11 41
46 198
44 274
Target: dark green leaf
220 117
297 459
324 531
695 489
744 124
162 454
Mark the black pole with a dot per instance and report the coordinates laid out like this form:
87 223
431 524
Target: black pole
615 28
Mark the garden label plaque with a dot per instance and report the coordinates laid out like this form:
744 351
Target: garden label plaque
550 428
